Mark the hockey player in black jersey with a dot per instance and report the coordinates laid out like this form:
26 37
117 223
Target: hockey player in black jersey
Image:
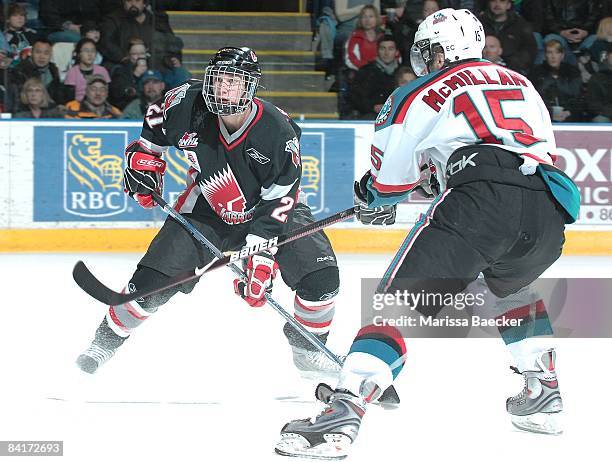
242 188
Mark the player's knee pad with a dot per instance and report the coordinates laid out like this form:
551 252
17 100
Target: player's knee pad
315 299
144 278
319 285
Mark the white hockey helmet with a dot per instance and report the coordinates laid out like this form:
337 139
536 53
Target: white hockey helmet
457 33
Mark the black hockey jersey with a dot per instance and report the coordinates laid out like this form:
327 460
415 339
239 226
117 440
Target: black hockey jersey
252 175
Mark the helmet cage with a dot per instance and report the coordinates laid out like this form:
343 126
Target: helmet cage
228 90
422 55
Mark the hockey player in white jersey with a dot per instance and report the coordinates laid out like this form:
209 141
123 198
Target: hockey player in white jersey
501 213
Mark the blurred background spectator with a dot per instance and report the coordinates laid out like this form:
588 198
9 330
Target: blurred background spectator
91 30
361 47
126 77
36 102
375 81
599 90
84 57
572 23
493 50
95 104
38 65
514 33
599 50
19 37
63 18
404 75
136 20
153 88
348 13
559 85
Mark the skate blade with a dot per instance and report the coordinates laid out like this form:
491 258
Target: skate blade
541 422
335 447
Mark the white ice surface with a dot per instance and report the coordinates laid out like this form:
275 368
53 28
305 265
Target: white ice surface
209 379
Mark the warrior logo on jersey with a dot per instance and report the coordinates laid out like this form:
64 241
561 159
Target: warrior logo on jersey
188 140
174 96
224 195
293 147
383 115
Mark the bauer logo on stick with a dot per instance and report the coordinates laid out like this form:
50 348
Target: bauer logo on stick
247 251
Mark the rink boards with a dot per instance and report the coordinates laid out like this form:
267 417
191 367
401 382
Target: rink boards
61 186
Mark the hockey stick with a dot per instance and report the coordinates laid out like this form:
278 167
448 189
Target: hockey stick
92 286
388 398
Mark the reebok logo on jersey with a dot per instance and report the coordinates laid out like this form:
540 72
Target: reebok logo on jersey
462 163
258 156
224 195
188 140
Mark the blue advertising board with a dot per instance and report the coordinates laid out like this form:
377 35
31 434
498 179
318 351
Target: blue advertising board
78 172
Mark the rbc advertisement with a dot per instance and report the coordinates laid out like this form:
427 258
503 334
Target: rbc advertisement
78 173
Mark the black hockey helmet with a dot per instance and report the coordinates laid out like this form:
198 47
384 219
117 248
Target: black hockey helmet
231 80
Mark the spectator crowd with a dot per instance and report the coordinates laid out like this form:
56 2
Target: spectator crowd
112 58
86 59
563 46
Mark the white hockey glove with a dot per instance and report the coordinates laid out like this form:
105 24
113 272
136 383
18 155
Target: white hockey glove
260 270
384 215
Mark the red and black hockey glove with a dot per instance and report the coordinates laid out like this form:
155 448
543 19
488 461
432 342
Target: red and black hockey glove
261 271
144 173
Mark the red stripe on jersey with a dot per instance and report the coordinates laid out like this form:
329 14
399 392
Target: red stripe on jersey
393 188
236 142
401 115
183 197
534 157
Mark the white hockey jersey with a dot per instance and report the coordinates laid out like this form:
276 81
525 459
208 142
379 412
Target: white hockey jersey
472 102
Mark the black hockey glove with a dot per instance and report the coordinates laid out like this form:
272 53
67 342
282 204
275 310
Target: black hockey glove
384 215
143 174
429 187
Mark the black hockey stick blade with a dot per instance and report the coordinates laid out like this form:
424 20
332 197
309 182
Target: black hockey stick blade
90 284
96 289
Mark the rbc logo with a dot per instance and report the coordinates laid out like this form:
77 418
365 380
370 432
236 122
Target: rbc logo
93 166
311 185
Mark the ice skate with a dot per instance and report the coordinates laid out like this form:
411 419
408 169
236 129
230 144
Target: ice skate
538 407
310 362
329 435
101 349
